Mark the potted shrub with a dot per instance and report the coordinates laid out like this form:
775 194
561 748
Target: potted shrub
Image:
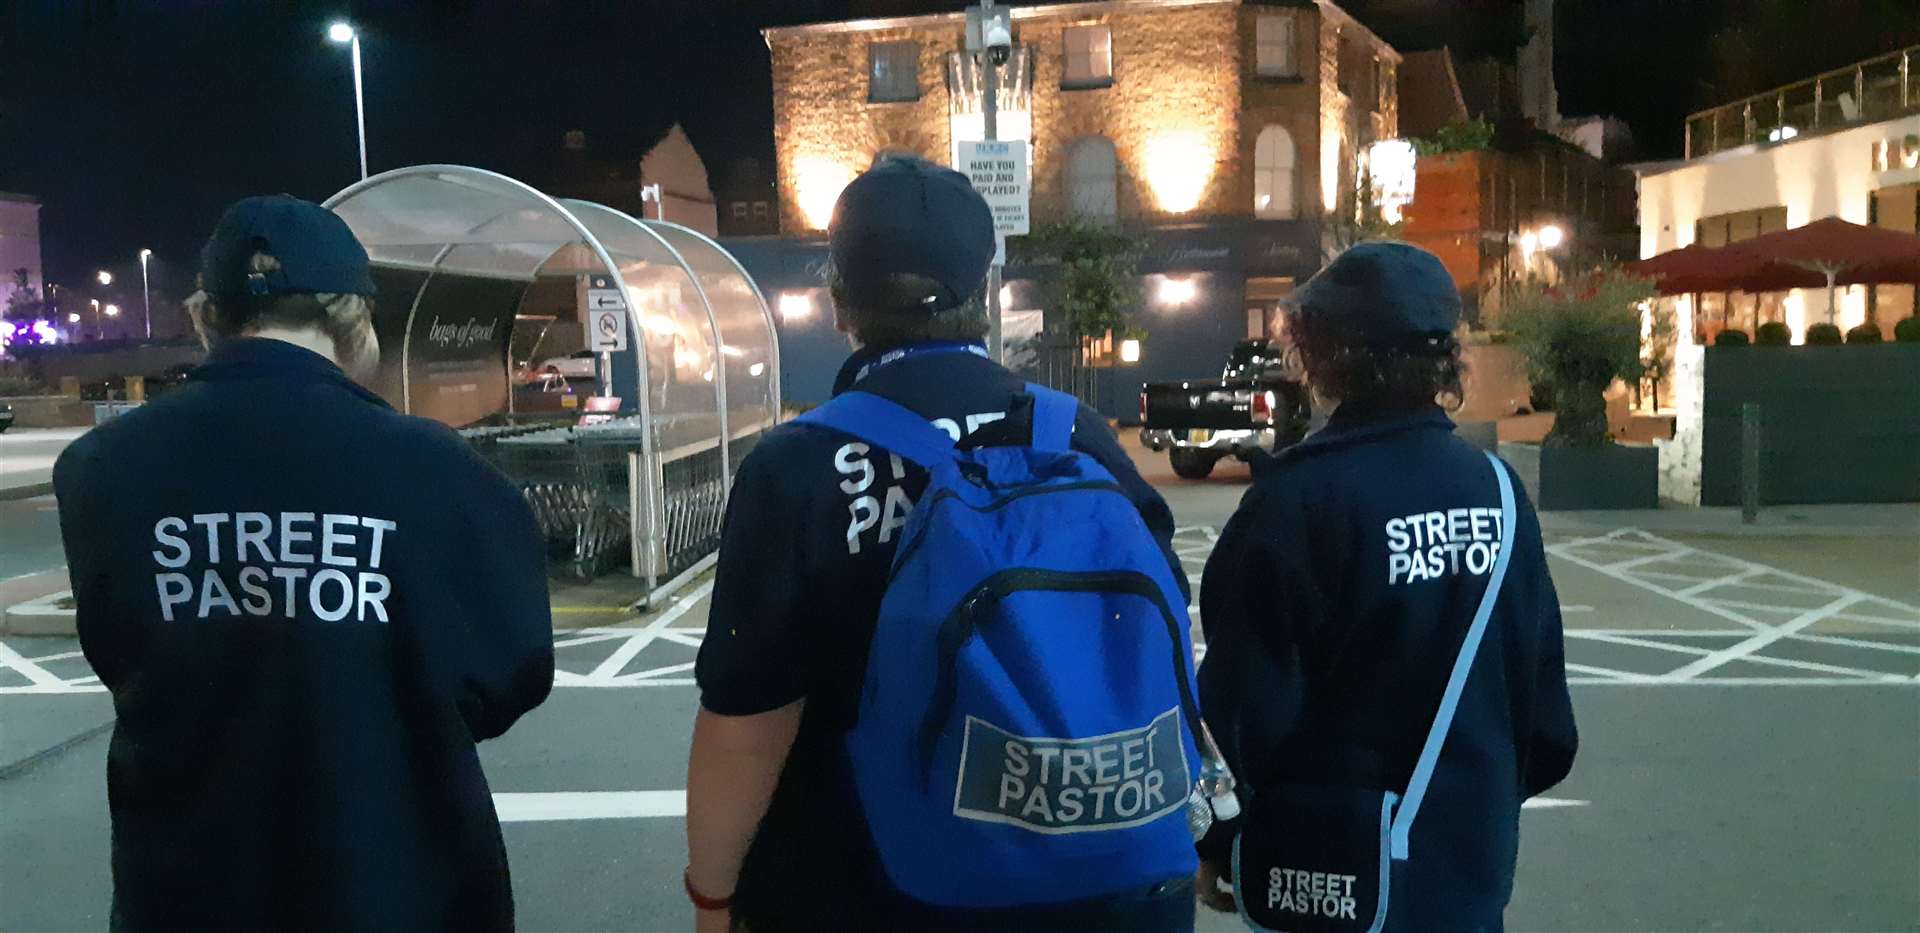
1865 333
1579 337
1907 331
1823 335
1773 334
1731 338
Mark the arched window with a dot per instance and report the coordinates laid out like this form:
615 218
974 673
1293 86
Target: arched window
1093 179
1273 184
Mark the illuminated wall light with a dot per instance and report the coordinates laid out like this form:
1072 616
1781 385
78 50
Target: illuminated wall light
1330 169
1551 237
1391 172
1178 167
1006 296
795 306
1174 291
1129 351
817 183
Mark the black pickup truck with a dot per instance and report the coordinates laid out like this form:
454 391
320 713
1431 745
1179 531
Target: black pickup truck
1256 405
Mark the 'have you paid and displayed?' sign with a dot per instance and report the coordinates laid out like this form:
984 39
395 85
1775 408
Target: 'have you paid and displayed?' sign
998 171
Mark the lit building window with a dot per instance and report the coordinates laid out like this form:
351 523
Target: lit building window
1093 179
893 71
1273 158
1089 54
1274 47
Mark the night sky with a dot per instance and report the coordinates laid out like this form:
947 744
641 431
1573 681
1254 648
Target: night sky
135 123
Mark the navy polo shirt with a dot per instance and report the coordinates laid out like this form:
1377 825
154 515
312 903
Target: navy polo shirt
1334 604
308 608
810 533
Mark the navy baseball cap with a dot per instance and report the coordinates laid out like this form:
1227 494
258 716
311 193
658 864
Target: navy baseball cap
1385 294
909 216
318 254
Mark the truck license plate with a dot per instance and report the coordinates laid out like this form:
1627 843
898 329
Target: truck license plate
1199 436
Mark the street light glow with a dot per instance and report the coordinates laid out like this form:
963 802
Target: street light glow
105 277
112 310
340 32
73 318
146 254
1551 237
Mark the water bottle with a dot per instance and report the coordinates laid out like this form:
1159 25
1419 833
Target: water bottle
1213 797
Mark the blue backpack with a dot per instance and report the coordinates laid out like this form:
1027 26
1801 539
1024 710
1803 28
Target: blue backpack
1026 728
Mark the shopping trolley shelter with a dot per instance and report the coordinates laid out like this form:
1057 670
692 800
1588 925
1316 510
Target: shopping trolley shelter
493 298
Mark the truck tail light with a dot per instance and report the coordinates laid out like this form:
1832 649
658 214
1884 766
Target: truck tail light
1263 407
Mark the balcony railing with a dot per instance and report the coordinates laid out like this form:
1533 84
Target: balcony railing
1876 89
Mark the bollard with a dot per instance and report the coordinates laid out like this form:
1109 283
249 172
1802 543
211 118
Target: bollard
1749 463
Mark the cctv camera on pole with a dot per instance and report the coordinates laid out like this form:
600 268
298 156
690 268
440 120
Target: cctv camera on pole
990 30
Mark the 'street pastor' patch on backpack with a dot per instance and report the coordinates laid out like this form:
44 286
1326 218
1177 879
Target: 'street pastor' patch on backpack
1026 727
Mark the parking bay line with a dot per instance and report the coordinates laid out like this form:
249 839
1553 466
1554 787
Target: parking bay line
564 806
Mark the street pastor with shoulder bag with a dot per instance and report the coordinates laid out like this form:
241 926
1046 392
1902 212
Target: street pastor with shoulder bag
1314 858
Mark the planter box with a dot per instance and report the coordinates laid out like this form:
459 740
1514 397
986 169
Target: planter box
1567 478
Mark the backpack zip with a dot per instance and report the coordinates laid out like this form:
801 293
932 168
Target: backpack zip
943 495
960 625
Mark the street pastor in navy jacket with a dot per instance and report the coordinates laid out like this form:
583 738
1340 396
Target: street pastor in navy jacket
1340 592
308 608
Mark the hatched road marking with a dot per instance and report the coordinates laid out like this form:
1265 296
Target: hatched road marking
1766 608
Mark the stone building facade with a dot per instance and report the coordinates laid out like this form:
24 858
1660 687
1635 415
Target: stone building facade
1222 132
1186 93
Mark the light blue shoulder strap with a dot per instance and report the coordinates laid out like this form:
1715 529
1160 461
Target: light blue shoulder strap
1053 416
886 425
1450 700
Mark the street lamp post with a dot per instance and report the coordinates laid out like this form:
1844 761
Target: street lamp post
146 294
346 34
99 330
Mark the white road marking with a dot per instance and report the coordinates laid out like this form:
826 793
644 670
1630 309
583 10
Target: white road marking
1551 803
589 805
645 636
1821 601
647 804
34 673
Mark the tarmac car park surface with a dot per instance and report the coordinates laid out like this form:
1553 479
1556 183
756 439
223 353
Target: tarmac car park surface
1749 707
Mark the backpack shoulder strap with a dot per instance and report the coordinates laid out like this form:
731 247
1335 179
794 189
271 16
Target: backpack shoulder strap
1053 416
884 424
1450 699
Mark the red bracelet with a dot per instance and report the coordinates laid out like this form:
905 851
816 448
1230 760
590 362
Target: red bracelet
702 901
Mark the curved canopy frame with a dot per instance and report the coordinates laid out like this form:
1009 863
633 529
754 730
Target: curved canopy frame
459 251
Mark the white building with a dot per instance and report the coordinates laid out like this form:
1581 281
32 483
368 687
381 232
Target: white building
1843 145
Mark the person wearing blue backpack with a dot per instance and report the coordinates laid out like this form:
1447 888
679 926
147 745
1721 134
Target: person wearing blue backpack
1384 668
947 679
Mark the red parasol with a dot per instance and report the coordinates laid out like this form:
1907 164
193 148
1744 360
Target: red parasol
1694 268
1833 252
